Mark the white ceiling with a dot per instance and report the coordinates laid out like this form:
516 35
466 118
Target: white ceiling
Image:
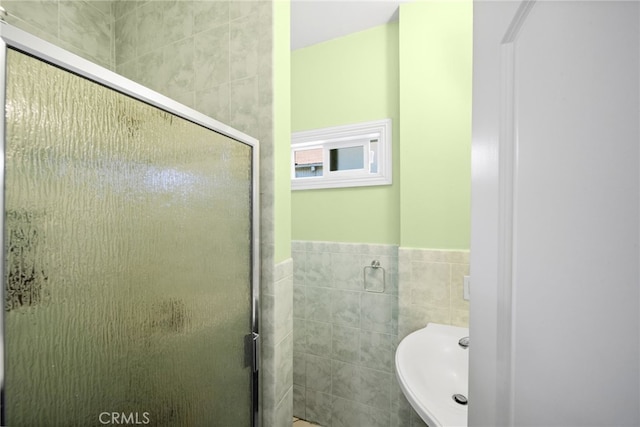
315 21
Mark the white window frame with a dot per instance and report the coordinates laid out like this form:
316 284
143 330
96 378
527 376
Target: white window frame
359 134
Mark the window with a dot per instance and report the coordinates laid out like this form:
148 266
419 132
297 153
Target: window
342 156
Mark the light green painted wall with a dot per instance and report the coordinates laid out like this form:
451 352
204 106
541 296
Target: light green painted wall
417 71
347 80
282 128
435 126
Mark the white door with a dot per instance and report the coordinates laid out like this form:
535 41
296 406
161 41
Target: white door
555 214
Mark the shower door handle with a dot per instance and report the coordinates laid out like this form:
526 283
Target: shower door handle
252 351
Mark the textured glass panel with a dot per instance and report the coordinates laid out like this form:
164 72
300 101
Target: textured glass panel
128 260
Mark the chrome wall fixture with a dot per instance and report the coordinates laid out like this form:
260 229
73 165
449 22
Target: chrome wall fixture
374 273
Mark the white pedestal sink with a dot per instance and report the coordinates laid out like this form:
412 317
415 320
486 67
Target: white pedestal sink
431 368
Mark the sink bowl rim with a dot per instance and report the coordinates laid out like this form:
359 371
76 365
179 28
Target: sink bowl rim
452 335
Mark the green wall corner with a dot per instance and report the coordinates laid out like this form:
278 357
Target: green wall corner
418 72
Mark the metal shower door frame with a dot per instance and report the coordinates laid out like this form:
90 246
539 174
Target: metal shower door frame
12 37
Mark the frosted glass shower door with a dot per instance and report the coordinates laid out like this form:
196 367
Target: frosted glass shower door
128 260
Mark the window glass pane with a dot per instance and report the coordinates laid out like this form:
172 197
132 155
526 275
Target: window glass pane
352 155
308 162
373 156
128 259
347 158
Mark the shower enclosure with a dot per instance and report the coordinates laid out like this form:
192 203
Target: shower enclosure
130 251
